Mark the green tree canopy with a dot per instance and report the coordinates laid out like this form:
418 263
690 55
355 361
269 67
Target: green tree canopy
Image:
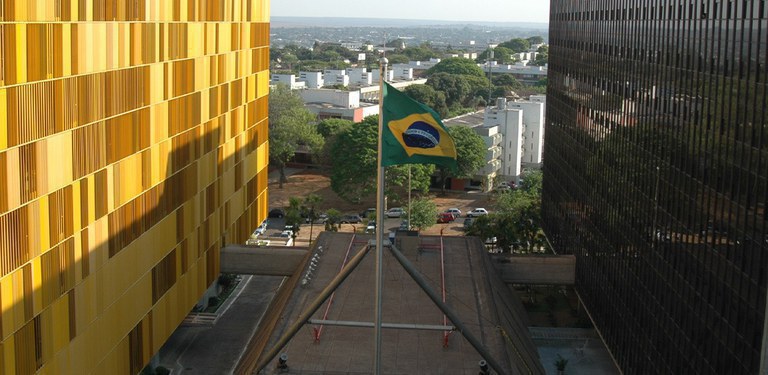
420 53
536 40
353 164
429 96
333 126
517 220
423 213
517 45
454 86
501 54
470 154
542 56
507 80
457 65
397 58
293 216
289 127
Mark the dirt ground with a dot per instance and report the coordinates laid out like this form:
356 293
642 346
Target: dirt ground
306 182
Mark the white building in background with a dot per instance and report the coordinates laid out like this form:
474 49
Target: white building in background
522 125
313 80
532 133
287 79
330 103
339 98
390 75
529 74
359 76
335 77
402 72
510 123
492 138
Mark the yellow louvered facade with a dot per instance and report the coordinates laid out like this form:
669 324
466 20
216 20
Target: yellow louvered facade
133 144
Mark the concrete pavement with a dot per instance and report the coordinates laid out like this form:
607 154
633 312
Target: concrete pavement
217 349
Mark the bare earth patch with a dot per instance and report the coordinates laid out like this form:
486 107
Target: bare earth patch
306 182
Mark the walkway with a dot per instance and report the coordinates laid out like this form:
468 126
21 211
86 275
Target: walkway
216 349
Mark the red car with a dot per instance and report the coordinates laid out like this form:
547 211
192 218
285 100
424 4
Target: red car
445 217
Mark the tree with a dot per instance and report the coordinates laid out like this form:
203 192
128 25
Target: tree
542 56
397 58
289 128
429 96
535 40
334 216
329 130
470 154
517 45
532 182
507 80
353 164
455 88
353 161
457 65
500 54
293 216
420 53
310 202
290 59
331 127
423 213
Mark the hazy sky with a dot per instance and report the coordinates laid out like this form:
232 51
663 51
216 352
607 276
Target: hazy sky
450 10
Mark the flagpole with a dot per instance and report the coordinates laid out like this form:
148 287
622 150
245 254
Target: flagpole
379 224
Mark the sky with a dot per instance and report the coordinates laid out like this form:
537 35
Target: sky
448 10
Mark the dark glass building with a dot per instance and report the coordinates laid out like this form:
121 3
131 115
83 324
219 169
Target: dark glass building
655 177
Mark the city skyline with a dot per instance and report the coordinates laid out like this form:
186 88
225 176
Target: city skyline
449 10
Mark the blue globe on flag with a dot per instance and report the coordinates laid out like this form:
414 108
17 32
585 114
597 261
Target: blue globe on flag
421 135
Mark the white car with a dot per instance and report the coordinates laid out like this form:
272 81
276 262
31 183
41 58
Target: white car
395 212
477 212
371 228
454 211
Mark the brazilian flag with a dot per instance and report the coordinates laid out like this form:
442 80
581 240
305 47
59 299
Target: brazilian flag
413 133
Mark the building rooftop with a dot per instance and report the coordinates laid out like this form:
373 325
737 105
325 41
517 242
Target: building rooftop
470 119
472 289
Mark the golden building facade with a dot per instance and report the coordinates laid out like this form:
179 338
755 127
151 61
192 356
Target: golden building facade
133 145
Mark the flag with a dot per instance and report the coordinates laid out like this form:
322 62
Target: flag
413 133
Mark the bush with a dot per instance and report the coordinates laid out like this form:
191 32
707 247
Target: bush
213 301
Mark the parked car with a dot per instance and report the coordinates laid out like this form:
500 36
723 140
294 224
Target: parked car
477 212
322 218
286 234
395 212
468 223
445 217
368 213
351 219
262 228
371 228
454 211
277 213
502 188
404 225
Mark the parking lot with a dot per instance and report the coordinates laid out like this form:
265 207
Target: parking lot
302 183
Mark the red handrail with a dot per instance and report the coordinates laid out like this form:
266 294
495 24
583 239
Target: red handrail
442 281
318 330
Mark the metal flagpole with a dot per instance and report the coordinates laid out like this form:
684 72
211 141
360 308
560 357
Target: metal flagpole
379 224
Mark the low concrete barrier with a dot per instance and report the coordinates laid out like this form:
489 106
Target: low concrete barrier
260 260
537 269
